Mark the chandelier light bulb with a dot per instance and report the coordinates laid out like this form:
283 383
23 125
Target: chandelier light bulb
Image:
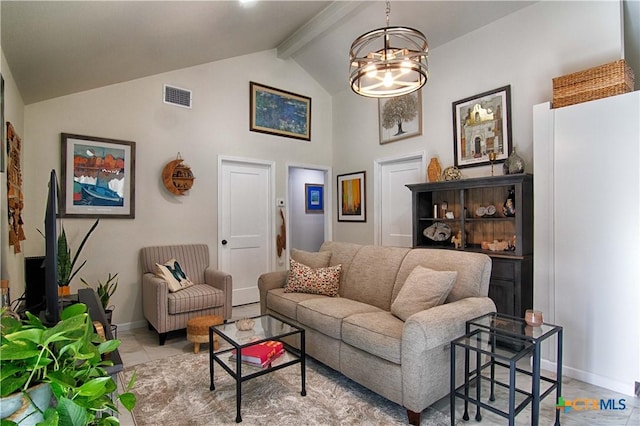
405 67
371 71
388 79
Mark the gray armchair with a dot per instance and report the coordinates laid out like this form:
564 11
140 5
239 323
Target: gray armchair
166 311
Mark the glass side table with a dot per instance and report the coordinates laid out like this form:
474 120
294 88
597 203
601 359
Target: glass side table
504 340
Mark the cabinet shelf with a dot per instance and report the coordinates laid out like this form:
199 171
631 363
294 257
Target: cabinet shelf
511 285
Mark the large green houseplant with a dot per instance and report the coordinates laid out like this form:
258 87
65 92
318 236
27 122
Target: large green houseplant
70 358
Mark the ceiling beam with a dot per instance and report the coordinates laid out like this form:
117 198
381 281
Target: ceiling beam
316 26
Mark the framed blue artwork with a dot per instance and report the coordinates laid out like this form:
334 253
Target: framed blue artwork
279 112
313 198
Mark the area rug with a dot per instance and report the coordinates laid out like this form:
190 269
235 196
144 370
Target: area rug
175 391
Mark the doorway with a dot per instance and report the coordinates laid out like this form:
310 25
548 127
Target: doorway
393 219
246 191
309 225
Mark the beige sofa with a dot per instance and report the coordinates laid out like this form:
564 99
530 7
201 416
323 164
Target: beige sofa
166 311
356 333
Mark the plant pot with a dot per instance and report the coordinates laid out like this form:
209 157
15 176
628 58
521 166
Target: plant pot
109 314
17 408
65 290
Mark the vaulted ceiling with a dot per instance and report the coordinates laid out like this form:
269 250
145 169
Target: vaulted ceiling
56 48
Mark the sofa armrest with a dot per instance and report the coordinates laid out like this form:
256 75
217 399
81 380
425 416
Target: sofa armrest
222 281
155 292
426 345
268 281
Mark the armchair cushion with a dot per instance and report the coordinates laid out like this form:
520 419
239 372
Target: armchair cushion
195 298
424 289
173 274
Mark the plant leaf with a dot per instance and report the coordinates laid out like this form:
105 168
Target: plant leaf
108 346
73 310
127 399
51 417
93 387
71 414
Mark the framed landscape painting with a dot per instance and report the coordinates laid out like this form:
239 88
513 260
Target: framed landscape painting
313 198
351 197
279 112
482 124
98 177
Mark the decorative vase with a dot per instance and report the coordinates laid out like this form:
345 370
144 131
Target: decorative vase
514 164
509 207
434 170
64 290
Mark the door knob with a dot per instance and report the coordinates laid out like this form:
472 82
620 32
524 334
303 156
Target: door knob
224 242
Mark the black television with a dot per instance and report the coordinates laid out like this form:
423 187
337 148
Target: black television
52 309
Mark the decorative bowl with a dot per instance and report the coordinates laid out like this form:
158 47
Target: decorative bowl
245 324
490 210
480 211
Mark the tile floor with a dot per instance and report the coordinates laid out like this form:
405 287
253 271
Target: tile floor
141 345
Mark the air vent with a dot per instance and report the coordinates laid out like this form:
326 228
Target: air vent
176 96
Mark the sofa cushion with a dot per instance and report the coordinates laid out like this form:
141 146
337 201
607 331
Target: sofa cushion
172 272
325 314
287 303
372 275
341 254
303 279
195 298
311 259
474 270
378 333
424 289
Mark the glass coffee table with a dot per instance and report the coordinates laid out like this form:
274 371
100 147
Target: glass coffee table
266 327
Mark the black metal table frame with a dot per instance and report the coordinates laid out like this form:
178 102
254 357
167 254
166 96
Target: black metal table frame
215 357
497 333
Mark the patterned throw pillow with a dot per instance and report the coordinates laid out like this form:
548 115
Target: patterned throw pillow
303 279
173 274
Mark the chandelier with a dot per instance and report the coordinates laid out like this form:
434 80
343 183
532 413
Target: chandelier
388 62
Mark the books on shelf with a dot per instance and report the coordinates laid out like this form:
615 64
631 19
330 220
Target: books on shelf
261 354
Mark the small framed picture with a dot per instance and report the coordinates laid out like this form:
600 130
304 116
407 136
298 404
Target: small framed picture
98 177
482 125
351 197
400 117
279 112
313 198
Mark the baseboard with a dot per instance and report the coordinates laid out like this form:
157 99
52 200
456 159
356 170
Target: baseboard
627 388
132 325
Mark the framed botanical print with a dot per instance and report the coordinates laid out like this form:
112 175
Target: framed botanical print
400 117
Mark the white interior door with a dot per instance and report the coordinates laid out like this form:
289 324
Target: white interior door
394 206
245 212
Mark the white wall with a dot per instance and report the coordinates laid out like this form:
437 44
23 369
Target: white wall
525 49
217 124
11 264
306 229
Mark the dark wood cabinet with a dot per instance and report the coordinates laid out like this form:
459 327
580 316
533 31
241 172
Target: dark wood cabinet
474 210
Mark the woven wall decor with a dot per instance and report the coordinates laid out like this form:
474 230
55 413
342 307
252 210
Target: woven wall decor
177 177
15 198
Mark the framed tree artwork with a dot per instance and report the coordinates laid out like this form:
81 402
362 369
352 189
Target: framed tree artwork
400 117
482 125
351 197
98 177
